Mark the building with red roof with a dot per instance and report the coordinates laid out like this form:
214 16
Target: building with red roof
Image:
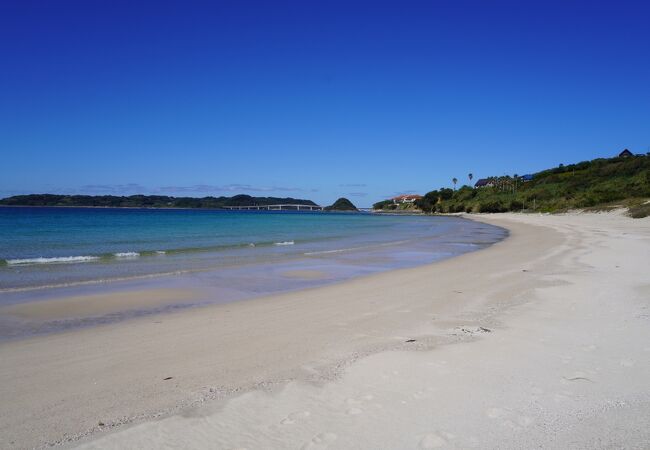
406 198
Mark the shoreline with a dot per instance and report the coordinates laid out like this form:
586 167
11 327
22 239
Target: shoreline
24 310
92 262
253 307
226 355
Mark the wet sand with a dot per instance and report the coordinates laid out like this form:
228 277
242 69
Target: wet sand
552 325
96 305
305 274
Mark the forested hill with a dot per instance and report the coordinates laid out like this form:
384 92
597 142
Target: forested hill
600 183
146 201
342 204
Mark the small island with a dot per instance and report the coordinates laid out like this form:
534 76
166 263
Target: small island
342 204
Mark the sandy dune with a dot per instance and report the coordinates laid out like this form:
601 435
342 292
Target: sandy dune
540 341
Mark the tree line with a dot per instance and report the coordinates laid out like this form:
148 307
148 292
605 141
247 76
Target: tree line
147 201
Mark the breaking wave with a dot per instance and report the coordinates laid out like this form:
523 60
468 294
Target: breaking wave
126 255
54 260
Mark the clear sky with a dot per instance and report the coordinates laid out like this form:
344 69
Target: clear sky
313 99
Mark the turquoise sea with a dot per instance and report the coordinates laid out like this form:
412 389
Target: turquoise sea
50 252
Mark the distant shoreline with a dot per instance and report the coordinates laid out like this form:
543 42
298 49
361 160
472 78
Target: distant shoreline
179 208
151 201
107 207
205 209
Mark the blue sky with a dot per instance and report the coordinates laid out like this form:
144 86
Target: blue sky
313 99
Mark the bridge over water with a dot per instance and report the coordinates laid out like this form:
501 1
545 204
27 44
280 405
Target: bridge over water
284 207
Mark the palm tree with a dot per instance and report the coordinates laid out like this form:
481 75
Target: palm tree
454 180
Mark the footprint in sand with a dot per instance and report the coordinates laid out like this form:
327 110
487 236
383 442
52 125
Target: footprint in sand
293 417
496 413
322 440
420 395
537 390
355 403
524 421
432 440
508 419
567 359
354 411
563 396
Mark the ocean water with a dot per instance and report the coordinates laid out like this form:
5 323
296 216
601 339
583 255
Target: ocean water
47 253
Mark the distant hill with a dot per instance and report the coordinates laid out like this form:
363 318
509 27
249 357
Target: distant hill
342 204
146 201
599 183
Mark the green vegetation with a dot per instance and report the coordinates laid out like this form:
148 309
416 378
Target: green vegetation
390 205
623 181
342 204
146 201
385 205
639 211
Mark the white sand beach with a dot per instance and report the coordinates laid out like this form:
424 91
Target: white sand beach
539 341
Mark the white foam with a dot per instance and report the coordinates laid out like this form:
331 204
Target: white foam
325 252
161 252
350 249
284 243
126 255
54 260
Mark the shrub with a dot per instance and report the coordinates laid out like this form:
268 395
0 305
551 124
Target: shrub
516 205
382 204
640 211
446 193
494 206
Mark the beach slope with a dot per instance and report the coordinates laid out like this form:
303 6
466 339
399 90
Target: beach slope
541 340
